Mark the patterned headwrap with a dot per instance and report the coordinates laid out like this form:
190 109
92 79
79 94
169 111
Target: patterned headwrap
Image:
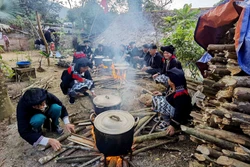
162 79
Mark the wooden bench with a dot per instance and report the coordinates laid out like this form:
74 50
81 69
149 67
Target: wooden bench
24 74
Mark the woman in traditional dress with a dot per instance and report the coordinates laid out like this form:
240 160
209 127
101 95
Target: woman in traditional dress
169 60
76 80
174 105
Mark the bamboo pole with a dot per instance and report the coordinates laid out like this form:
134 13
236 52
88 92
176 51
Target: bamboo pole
91 161
151 136
62 138
143 125
52 155
42 36
209 138
154 146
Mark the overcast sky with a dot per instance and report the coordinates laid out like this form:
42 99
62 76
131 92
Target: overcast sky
195 3
177 4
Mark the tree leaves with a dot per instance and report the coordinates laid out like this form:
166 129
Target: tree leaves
182 27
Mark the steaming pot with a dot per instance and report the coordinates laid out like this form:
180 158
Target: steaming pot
114 131
106 102
98 60
107 62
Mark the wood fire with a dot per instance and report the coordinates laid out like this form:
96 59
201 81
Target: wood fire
118 73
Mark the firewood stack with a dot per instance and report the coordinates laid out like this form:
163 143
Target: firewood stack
222 126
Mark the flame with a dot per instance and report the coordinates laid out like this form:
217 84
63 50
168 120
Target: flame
105 67
114 160
118 74
93 135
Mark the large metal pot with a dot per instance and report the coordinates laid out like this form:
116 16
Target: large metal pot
107 62
121 65
98 60
106 102
114 131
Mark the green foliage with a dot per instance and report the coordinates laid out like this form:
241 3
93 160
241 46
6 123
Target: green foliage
18 22
181 27
150 5
42 53
7 70
8 10
47 8
89 13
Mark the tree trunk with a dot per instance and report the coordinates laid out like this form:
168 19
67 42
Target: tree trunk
231 55
6 106
219 142
226 135
243 107
236 155
209 151
242 94
42 36
219 60
235 81
223 160
225 94
221 47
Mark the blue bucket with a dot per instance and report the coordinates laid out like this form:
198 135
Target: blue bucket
23 64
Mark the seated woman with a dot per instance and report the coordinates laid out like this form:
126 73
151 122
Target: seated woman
78 54
170 60
76 80
175 105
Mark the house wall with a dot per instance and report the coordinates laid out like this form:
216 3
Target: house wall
18 42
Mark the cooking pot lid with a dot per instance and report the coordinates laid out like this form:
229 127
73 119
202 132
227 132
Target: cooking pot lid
121 68
121 65
107 60
99 57
107 100
114 122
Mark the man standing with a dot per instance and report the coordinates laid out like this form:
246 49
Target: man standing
34 110
155 63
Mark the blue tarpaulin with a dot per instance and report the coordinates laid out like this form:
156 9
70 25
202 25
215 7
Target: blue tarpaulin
212 26
242 38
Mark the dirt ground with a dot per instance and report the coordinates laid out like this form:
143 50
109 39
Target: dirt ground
15 152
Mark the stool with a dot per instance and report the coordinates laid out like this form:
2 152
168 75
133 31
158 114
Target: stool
24 74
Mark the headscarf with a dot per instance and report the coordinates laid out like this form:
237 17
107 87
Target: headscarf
169 49
162 79
82 62
177 76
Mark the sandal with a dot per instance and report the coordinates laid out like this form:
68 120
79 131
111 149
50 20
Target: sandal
157 119
163 125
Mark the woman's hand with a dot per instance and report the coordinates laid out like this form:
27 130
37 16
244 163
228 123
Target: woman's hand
93 94
70 128
83 79
55 144
155 75
157 93
170 130
144 69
